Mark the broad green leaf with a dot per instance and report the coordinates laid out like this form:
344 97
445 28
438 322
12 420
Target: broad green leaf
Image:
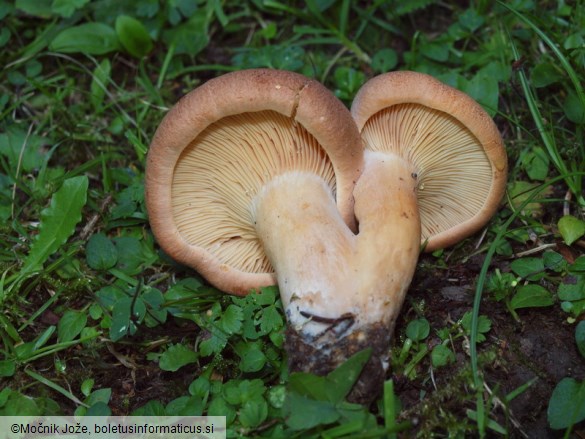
66 8
566 406
536 162
177 356
58 222
237 392
99 395
442 355
336 385
99 83
87 386
252 358
578 266
126 314
403 8
529 268
9 329
24 351
483 87
89 38
572 288
341 380
271 320
574 108
231 392
384 60
418 330
544 74
530 296
309 385
108 296
4 395
7 368
277 395
576 308
277 56
200 387
151 408
484 324
185 406
571 228
5 36
219 407
100 252
554 261
303 413
38 8
471 19
347 82
20 405
60 365
133 254
190 37
251 390
98 409
70 325
231 320
436 50
214 344
266 296
574 41
133 36
20 148
253 413
520 191
154 300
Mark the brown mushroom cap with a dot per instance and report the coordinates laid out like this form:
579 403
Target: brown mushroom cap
220 144
456 148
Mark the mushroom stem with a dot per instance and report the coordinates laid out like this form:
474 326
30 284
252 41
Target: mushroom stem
389 233
309 246
342 292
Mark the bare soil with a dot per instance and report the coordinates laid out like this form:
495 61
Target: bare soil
541 345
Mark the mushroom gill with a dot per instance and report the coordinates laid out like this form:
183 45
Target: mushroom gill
214 185
450 162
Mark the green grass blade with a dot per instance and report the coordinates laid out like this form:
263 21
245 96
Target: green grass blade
520 390
390 408
481 280
562 59
548 139
41 379
344 17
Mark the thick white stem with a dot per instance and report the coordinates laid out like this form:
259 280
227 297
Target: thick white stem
342 292
388 242
309 246
324 271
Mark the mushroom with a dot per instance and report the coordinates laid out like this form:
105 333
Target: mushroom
457 154
255 177
250 150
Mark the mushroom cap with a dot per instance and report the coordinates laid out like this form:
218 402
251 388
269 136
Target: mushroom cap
458 153
217 147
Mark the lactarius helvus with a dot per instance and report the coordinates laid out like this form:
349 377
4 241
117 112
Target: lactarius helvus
258 177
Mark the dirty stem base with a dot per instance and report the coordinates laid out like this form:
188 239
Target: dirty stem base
322 355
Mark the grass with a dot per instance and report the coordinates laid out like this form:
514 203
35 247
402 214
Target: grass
96 320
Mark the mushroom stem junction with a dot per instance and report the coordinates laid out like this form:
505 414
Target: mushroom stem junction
342 292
